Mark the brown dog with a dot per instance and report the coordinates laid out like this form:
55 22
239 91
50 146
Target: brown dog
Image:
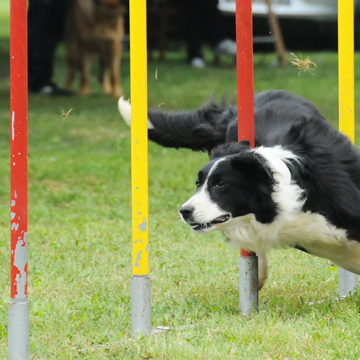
95 28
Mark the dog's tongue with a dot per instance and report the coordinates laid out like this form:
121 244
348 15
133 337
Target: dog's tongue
222 218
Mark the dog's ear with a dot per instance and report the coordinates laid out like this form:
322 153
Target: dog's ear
229 149
261 178
249 164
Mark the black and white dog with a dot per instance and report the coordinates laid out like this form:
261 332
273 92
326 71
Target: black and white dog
299 186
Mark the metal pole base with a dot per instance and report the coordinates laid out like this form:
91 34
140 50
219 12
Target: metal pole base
248 284
347 282
140 306
18 332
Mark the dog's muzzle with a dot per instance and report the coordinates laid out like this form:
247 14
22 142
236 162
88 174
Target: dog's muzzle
187 212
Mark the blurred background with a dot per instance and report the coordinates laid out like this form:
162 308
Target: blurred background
305 24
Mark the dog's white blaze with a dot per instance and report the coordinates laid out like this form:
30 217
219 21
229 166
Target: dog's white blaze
205 209
287 194
125 111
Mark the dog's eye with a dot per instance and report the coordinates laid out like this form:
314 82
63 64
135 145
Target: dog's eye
197 183
219 184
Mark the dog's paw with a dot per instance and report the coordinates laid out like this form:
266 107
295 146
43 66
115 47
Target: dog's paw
125 110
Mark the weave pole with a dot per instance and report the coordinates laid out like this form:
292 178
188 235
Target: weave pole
347 280
18 327
140 281
248 262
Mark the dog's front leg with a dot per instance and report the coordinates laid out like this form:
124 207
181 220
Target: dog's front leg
115 74
85 73
107 60
116 63
263 266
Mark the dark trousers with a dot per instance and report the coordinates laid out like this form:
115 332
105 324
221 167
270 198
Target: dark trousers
203 24
46 19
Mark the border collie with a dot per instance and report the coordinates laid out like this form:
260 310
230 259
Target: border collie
299 187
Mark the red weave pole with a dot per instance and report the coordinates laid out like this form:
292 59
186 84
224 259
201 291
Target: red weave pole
18 324
245 76
19 155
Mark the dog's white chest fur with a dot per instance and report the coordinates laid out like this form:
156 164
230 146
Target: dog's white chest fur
307 230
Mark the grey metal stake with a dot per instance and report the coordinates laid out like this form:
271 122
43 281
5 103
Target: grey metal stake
347 282
248 284
18 332
140 305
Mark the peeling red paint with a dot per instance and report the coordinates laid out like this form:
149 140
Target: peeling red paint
19 145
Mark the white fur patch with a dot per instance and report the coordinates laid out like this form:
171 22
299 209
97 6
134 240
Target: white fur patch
124 107
287 195
308 230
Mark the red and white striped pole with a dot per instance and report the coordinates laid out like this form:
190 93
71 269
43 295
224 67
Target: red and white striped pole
18 331
248 262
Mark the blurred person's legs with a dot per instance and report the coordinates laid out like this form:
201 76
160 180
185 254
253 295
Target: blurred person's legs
204 22
195 31
46 19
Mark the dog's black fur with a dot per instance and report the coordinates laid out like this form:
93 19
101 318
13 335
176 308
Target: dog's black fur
322 164
330 166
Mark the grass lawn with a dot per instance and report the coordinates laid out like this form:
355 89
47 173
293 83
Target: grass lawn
80 233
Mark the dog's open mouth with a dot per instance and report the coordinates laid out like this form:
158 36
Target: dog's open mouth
202 226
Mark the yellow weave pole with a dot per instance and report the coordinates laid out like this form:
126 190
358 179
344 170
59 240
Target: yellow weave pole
347 280
346 68
140 281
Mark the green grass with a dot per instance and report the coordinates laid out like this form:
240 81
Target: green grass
80 233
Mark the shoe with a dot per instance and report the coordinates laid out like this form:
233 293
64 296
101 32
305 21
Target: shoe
226 47
50 89
197 62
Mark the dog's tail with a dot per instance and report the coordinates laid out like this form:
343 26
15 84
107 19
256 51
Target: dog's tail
199 130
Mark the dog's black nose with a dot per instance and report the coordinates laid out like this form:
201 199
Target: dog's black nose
186 211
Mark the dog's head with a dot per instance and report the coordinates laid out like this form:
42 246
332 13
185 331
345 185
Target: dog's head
230 187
